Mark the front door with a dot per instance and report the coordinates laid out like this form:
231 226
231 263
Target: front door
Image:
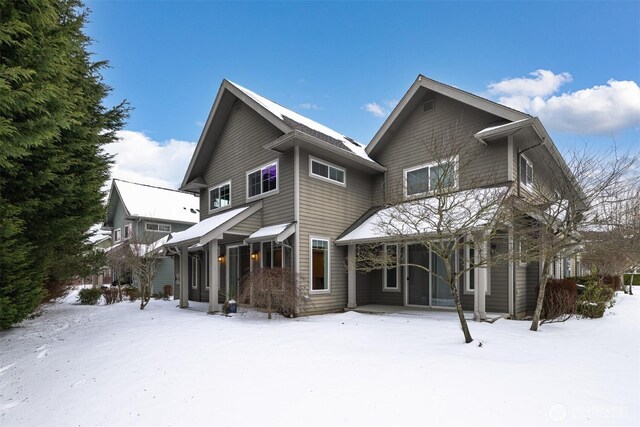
239 265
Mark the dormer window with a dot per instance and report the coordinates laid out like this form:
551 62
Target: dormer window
430 178
526 171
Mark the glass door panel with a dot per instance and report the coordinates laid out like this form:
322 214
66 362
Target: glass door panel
417 278
440 290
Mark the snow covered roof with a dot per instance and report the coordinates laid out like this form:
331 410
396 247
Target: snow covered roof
274 232
146 201
97 234
454 213
150 248
212 227
299 122
496 130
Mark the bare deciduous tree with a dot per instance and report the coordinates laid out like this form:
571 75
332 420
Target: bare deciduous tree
451 216
557 200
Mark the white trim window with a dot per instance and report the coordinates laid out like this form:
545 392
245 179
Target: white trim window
117 234
430 178
526 171
262 181
157 228
206 270
195 272
326 171
391 275
127 231
469 267
319 265
220 196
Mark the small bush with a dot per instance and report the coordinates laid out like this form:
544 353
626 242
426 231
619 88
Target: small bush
273 289
157 295
614 282
132 293
594 300
111 295
168 291
560 300
89 296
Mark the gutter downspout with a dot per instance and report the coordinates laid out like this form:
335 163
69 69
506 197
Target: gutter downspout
296 205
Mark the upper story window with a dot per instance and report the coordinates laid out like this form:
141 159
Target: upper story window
324 170
262 180
526 171
117 235
429 178
155 227
127 231
220 196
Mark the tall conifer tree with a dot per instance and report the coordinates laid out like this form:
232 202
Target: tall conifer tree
52 126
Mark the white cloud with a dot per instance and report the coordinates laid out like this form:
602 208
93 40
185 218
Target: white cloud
376 109
310 106
139 158
602 109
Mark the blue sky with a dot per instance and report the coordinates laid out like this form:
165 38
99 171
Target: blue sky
344 64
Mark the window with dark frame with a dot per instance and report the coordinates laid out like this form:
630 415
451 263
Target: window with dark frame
263 180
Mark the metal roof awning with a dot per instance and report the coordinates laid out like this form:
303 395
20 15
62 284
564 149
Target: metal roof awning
277 233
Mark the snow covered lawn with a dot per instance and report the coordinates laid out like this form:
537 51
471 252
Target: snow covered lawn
117 365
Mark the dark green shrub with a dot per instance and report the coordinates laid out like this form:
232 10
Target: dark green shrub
594 300
89 296
157 295
636 279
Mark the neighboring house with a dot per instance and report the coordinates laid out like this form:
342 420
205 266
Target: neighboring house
147 214
278 189
100 240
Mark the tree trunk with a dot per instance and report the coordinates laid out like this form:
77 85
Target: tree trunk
463 321
543 286
631 283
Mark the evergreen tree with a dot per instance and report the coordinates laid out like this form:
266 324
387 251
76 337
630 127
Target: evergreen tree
52 127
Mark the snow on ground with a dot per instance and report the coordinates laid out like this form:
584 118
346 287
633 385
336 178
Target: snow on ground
117 365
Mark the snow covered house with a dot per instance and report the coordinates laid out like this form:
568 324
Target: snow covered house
147 213
278 189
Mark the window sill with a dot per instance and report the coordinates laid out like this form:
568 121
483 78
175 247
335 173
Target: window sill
396 290
320 292
220 209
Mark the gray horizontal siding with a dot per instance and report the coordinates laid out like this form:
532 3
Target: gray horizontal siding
238 150
164 275
451 124
326 210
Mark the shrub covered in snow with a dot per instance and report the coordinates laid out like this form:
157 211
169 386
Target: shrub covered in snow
89 296
595 299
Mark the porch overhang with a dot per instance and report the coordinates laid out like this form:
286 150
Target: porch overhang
213 227
469 211
277 233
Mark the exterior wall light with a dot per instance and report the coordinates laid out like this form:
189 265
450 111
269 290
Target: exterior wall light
255 256
221 259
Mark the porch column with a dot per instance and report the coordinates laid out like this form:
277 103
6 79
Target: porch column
184 277
351 276
214 276
479 293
